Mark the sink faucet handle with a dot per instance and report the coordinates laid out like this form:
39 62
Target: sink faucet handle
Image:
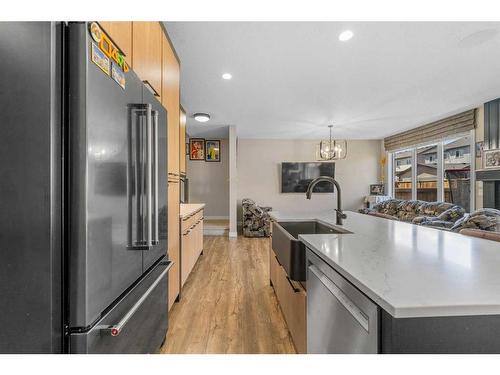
341 213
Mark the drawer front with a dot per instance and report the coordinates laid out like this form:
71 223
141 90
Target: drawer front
292 299
146 327
198 216
191 220
273 268
187 223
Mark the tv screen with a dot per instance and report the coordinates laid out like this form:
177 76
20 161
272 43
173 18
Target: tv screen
296 177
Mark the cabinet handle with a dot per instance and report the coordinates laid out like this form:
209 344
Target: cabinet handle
151 88
295 290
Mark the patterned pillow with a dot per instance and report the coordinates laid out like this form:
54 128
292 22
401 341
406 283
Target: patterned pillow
408 210
389 207
485 219
438 224
452 214
434 208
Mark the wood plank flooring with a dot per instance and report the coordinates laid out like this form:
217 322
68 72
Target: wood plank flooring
227 304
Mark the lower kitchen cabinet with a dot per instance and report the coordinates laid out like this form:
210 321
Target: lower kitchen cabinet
173 241
191 243
292 299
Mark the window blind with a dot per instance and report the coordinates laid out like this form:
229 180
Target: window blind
434 131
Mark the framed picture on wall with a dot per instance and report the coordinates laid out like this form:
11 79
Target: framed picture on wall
212 150
492 158
377 189
196 149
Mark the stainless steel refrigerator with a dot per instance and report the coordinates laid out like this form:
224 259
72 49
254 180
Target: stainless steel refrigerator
83 189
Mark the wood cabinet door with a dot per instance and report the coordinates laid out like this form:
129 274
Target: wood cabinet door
200 236
170 100
173 242
121 33
182 141
185 256
146 52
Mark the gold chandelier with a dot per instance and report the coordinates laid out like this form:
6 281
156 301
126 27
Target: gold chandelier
332 149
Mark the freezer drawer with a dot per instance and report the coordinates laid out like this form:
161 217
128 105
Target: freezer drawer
340 319
136 324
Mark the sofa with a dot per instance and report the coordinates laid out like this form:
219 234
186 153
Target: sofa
441 215
256 219
435 214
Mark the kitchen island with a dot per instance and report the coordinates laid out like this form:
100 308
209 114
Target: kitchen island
437 291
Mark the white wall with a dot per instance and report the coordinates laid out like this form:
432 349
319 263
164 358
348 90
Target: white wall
209 183
259 167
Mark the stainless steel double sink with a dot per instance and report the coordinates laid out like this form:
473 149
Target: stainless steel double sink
291 253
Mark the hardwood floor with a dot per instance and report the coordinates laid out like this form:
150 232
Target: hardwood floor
227 304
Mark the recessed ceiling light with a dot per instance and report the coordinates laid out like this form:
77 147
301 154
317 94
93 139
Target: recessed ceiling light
344 36
227 76
201 117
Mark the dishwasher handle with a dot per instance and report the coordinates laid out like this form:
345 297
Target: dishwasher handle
355 311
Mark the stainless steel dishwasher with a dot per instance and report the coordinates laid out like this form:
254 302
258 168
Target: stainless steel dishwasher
340 319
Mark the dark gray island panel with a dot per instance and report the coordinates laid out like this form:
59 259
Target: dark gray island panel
440 335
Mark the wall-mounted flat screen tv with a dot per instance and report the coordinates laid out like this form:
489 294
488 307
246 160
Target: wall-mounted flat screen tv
296 177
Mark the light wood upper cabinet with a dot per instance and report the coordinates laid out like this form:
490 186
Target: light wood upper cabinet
146 53
182 141
170 100
121 33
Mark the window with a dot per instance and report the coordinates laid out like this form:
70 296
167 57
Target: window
457 171
402 174
443 172
427 173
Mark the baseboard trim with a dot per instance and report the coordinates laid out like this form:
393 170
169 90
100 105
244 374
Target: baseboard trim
214 232
233 234
216 217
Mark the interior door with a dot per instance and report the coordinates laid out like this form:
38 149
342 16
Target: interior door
159 218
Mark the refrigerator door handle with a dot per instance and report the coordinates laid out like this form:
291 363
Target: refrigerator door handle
115 329
139 177
156 239
149 177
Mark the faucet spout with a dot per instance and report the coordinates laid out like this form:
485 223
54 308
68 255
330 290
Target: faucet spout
340 215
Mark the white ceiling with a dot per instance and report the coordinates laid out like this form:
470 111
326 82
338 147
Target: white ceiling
292 79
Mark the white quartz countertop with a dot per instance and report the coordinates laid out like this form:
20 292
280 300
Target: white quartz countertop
409 270
190 208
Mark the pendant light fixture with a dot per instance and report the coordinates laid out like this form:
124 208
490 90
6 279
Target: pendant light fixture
332 149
